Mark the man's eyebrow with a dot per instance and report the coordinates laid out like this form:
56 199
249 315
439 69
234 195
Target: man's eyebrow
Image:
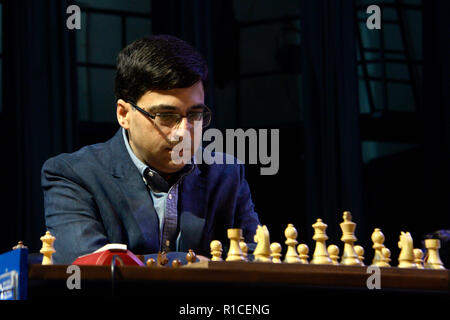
166 107
161 107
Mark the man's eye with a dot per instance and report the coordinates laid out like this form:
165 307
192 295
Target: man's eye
168 115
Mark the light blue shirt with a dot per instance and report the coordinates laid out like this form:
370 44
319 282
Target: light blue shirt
165 203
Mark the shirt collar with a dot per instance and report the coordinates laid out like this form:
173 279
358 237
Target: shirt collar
151 177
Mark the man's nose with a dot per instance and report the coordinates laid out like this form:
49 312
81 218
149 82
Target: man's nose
181 129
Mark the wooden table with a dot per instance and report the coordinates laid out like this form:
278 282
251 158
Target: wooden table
295 280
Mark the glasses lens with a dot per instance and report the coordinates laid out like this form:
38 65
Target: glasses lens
206 118
168 119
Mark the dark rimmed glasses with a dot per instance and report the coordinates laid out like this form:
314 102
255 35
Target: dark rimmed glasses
170 120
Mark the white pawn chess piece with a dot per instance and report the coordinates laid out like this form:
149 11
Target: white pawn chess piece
244 248
349 256
216 250
275 249
291 235
406 257
303 251
378 240
320 255
235 252
333 252
432 259
386 253
418 258
47 248
360 252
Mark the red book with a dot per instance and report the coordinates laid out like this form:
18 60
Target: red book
104 256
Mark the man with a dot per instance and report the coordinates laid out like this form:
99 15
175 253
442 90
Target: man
133 189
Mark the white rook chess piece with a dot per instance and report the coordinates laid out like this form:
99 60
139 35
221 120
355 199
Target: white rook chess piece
349 256
320 255
235 252
291 241
432 259
47 248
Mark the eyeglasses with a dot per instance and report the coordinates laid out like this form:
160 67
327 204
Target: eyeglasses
171 120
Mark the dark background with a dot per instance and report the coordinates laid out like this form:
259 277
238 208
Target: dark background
364 115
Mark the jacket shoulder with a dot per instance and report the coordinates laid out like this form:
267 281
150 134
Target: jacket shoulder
85 159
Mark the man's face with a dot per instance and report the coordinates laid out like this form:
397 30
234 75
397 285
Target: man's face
153 143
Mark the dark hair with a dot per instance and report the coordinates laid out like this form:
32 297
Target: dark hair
159 62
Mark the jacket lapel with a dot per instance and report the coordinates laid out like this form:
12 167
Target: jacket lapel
192 211
139 215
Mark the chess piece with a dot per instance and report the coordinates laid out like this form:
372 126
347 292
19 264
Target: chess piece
320 255
386 258
47 248
262 250
235 252
333 252
191 257
349 256
291 235
303 251
378 240
19 245
176 263
216 250
418 255
161 259
275 249
151 262
432 258
244 248
360 252
406 257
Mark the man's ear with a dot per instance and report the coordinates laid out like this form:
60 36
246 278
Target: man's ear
123 113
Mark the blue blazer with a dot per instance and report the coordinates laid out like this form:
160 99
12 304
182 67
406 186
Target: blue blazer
97 196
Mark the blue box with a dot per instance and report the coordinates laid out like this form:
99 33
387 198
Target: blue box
14 275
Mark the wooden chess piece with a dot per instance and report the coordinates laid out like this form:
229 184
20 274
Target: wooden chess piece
244 248
19 245
418 258
303 251
360 252
320 255
216 250
275 249
151 262
386 253
162 259
406 257
262 250
191 257
378 240
291 235
176 263
349 256
432 258
47 248
235 252
333 252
